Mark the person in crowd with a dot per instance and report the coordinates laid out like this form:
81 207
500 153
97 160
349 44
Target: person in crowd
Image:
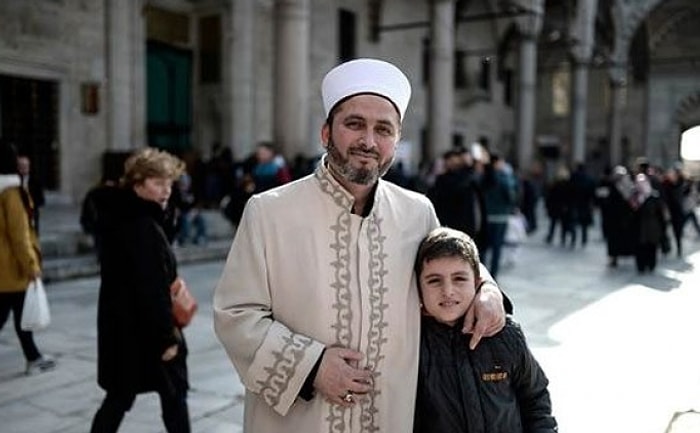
31 182
498 387
457 197
302 166
673 191
20 257
559 204
397 174
270 169
92 204
531 187
615 201
190 224
649 223
213 179
583 189
500 196
235 202
317 306
139 346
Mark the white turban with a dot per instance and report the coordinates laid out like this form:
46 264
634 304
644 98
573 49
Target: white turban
366 76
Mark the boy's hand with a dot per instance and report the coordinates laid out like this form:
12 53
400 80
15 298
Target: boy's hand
487 317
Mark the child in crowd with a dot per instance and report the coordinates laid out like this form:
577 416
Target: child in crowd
499 386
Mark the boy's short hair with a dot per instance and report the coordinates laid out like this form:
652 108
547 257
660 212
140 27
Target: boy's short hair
446 242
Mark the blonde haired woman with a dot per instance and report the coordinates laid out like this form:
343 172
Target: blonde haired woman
140 348
19 255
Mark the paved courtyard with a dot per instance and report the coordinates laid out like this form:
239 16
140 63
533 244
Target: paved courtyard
620 349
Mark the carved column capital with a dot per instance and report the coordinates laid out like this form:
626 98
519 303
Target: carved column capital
530 22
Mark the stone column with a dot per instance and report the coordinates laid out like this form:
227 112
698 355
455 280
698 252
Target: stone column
441 86
579 105
138 67
527 73
582 32
240 105
617 85
529 26
119 97
292 56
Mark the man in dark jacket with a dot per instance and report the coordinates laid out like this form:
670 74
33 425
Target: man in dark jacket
498 386
457 197
583 188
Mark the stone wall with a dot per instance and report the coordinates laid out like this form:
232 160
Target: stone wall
62 41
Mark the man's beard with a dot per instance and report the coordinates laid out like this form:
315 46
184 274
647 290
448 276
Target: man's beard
341 165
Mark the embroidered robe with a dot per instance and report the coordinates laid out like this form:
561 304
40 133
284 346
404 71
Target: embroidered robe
303 273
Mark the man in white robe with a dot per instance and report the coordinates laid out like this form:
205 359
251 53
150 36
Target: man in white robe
317 306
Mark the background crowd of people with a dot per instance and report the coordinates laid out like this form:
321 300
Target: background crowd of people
475 191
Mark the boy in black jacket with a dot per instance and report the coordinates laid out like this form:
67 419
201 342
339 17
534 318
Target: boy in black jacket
497 387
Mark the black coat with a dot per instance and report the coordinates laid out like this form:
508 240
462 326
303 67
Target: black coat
134 320
617 218
498 387
583 188
649 221
459 203
559 201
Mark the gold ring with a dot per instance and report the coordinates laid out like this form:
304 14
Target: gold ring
348 397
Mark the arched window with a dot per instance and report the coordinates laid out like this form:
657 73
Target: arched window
561 86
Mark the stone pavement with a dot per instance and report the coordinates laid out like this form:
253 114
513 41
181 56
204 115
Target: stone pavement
619 348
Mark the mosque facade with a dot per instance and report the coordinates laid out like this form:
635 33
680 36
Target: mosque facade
562 81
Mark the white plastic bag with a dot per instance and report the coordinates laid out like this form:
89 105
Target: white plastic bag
35 315
516 231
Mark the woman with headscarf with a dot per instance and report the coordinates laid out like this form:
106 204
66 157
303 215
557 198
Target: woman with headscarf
649 223
614 196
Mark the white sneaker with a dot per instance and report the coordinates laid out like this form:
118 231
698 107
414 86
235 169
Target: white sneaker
44 363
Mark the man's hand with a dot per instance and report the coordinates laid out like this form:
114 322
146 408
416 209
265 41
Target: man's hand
338 377
487 316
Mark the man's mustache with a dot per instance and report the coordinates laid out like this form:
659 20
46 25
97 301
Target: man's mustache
364 152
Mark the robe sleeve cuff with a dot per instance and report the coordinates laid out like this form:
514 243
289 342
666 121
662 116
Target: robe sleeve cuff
283 364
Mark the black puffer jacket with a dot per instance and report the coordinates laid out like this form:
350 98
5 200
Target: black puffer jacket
135 324
497 388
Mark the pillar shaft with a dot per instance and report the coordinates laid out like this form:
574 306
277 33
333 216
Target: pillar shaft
579 100
291 107
441 90
526 101
615 124
119 91
238 131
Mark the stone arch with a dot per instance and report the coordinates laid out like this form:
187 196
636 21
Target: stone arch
630 14
671 20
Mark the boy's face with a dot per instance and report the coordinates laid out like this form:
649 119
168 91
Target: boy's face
447 285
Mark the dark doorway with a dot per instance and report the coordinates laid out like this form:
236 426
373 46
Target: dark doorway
169 84
29 119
